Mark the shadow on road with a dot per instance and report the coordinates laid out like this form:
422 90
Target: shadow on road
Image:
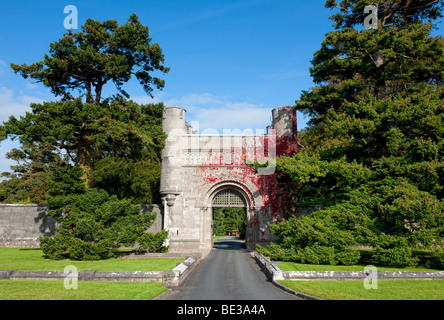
229 243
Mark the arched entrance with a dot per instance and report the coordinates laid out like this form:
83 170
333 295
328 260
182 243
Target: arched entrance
229 214
232 194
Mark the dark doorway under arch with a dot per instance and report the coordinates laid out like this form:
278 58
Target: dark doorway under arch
229 221
229 213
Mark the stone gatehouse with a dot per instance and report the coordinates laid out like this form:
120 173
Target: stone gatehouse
203 171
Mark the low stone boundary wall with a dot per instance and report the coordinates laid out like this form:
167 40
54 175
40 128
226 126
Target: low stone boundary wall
273 272
21 225
170 277
361 275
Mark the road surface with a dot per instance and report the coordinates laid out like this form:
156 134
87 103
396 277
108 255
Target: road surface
228 273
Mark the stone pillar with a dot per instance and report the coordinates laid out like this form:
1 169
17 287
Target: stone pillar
175 127
251 227
206 230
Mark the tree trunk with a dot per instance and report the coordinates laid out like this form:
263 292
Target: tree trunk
98 92
380 89
89 97
84 158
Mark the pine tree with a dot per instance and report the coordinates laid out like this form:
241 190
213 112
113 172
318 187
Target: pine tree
372 154
355 69
85 62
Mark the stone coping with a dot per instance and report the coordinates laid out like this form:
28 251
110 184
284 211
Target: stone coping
171 277
17 205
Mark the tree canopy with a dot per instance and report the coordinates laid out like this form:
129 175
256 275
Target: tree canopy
391 13
102 52
225 220
83 133
372 154
86 130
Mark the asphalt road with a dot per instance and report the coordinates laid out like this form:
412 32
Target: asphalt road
228 273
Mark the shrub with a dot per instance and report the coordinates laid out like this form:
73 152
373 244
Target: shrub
93 224
316 254
436 260
386 241
276 252
400 257
348 257
54 248
153 242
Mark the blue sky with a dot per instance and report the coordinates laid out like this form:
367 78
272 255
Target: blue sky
227 58
231 61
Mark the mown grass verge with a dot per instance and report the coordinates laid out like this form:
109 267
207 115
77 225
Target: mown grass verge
33 259
355 290
86 290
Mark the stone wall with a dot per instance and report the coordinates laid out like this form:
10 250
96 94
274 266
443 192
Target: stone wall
21 225
157 226
274 273
301 211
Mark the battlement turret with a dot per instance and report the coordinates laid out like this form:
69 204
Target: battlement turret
175 127
173 122
284 121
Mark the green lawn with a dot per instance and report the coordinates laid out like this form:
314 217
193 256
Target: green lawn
93 290
32 259
355 290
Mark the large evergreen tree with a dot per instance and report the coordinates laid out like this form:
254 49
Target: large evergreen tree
85 62
372 153
91 157
397 57
53 133
85 127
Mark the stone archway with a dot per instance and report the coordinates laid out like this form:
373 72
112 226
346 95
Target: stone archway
244 196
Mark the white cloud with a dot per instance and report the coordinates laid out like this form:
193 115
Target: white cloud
216 113
194 100
5 164
147 99
11 105
221 112
232 116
